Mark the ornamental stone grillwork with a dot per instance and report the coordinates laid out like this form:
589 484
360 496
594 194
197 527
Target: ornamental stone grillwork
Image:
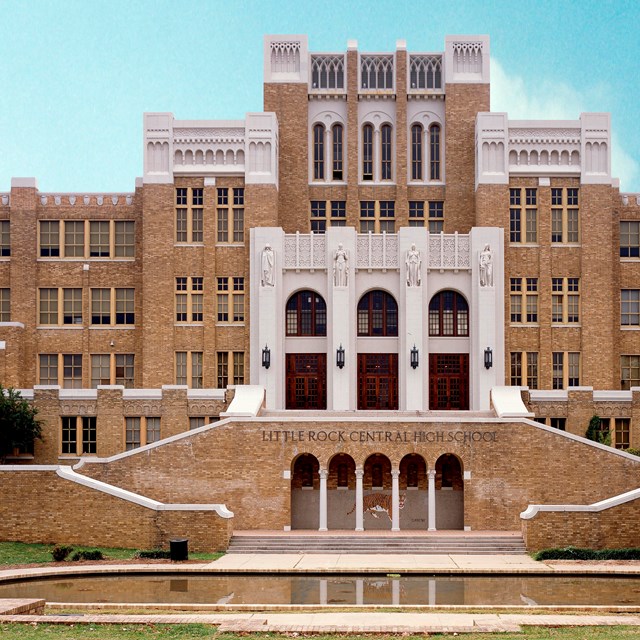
208 134
285 57
327 71
305 251
376 72
449 251
425 71
377 251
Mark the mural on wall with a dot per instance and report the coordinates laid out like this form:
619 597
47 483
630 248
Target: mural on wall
376 503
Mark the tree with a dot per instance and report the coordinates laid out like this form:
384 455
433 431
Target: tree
19 426
596 433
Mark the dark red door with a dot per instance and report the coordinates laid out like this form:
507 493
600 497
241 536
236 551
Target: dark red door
306 381
377 381
448 381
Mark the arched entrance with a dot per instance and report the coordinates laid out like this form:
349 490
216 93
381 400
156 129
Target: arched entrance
377 486
449 492
341 492
305 492
413 485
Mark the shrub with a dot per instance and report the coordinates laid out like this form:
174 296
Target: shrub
153 554
577 553
596 433
60 552
89 554
633 452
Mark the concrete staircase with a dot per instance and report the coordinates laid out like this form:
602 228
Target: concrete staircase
449 543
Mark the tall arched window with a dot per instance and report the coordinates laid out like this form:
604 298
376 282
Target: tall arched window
377 314
318 152
385 155
416 152
367 152
336 151
448 315
434 152
306 314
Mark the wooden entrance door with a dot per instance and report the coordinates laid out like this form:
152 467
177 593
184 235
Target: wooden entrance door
377 381
306 381
448 381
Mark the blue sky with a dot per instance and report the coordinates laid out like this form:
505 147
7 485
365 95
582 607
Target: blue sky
76 75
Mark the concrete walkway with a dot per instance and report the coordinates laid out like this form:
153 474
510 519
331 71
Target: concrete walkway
364 622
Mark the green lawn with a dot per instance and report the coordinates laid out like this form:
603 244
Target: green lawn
13 553
187 632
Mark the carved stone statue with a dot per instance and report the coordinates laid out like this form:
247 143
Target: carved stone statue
486 267
267 264
413 262
340 267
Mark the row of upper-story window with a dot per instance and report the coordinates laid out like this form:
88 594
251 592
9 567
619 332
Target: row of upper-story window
377 72
66 369
377 153
376 216
79 434
565 300
377 314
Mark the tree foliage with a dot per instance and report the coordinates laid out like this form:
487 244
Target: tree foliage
596 433
19 426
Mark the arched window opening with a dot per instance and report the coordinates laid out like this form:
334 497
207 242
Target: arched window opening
306 314
367 152
416 152
336 135
318 152
448 315
434 152
377 314
343 475
376 475
385 165
412 475
307 474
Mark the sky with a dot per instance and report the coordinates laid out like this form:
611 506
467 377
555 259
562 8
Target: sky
77 75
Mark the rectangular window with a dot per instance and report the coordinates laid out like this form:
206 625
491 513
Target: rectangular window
622 433
630 307
574 369
629 371
377 217
72 371
524 364
69 439
112 369
566 369
565 300
630 239
49 238
48 306
189 218
558 370
189 368
72 306
196 422
238 214
532 369
516 369
5 305
72 426
223 369
125 239
100 370
416 214
48 369
153 430
132 433
436 216
230 299
125 369
74 239
524 300
238 367
89 434
5 238
318 216
223 214
189 299
338 213
100 306
523 212
564 216
99 239
558 423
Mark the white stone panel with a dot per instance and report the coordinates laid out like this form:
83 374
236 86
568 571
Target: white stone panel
466 59
286 58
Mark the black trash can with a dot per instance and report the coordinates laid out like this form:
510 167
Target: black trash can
179 549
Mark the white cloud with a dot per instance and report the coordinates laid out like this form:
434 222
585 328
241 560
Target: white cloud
550 99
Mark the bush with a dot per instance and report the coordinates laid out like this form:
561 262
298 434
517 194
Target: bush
633 452
596 433
60 552
89 554
153 554
577 553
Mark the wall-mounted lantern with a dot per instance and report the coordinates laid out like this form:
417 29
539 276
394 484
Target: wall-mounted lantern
340 357
266 357
415 357
488 358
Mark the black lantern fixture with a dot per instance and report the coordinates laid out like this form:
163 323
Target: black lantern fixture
415 357
266 357
488 358
340 357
